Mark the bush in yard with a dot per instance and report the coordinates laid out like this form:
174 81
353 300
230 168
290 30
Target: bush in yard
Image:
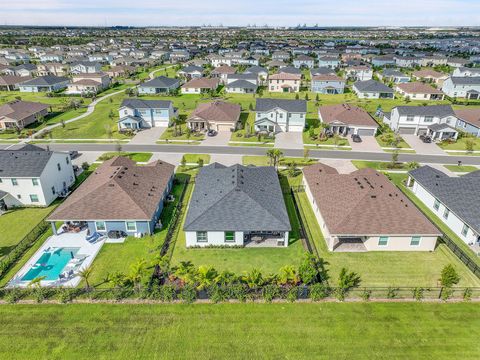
319 291
66 295
292 294
449 276
238 292
311 133
469 144
270 292
392 293
188 294
218 293
13 295
418 293
312 269
346 281
85 165
167 293
366 294
467 294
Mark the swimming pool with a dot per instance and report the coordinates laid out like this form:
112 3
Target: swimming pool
50 264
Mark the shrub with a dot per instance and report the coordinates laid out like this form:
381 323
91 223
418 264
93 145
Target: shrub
188 294
270 292
418 293
292 294
65 295
218 293
366 294
319 291
13 295
392 293
449 276
238 292
467 294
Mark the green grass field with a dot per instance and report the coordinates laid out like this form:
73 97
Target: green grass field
460 144
284 161
17 223
135 156
240 331
378 165
461 168
193 158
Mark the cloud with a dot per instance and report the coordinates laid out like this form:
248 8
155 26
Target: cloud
243 12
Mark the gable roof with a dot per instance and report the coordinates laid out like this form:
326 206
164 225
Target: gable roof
471 115
45 80
244 76
429 73
202 83
372 86
7 80
243 84
327 77
255 70
285 76
161 82
224 69
460 195
296 106
322 71
417 87
465 80
290 70
364 202
135 103
347 114
19 110
192 68
237 198
117 190
24 162
440 111
217 111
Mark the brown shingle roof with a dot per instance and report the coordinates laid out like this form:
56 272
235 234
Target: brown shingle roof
364 202
118 190
327 78
471 116
224 69
19 110
202 83
428 73
285 76
346 114
8 80
418 88
217 111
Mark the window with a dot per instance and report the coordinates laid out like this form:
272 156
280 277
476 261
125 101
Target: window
410 118
35 182
383 241
229 236
465 230
19 196
445 214
53 190
59 167
100 225
131 225
428 119
14 182
202 236
34 198
1 181
415 241
436 204
67 160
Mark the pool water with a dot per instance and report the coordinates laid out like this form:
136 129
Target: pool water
50 264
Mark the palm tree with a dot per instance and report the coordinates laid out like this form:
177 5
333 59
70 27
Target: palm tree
137 270
346 281
85 275
253 279
274 155
206 276
36 283
185 271
288 275
226 277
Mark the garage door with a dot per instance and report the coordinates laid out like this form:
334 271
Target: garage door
223 127
422 131
406 131
295 128
366 132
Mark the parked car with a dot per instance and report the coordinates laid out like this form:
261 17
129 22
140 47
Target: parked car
356 138
73 154
426 139
211 132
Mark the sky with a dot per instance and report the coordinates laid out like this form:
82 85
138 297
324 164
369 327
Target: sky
241 12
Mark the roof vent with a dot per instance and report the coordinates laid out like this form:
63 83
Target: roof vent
373 196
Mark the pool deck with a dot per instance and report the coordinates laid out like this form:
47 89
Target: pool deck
62 240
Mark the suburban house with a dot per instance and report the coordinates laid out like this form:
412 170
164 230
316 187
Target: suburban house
327 84
466 72
56 69
32 176
216 115
359 72
372 89
419 91
453 199
344 119
237 206
462 87
418 120
88 83
222 72
280 55
120 71
119 195
191 72
261 72
44 84
290 70
284 82
159 85
18 114
468 120
394 76
304 61
138 114
85 67
364 211
406 61
331 62
21 70
276 115
241 83
11 82
322 71
382 61
200 85
430 76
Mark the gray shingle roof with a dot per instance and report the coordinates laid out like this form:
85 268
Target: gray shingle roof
439 127
161 82
145 104
465 80
296 106
256 70
242 76
243 84
372 86
290 70
25 162
45 80
237 198
459 194
191 68
432 110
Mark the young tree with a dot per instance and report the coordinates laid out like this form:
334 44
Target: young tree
85 276
449 276
306 154
346 281
292 169
288 275
469 144
206 276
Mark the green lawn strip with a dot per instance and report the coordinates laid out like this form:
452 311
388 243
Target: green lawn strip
171 142
135 156
193 158
388 268
258 160
400 151
239 260
17 223
342 141
248 120
378 165
182 134
460 144
265 145
461 168
249 331
119 257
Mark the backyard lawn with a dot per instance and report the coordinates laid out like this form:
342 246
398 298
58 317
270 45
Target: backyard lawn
239 260
461 168
135 156
243 331
17 223
114 258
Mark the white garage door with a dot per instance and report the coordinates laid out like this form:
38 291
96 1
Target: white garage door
366 132
295 128
406 131
223 127
161 123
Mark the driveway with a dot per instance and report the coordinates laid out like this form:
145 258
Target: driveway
369 143
422 148
221 139
343 166
148 136
289 140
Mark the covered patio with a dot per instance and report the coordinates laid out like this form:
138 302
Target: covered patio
349 244
265 239
439 132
